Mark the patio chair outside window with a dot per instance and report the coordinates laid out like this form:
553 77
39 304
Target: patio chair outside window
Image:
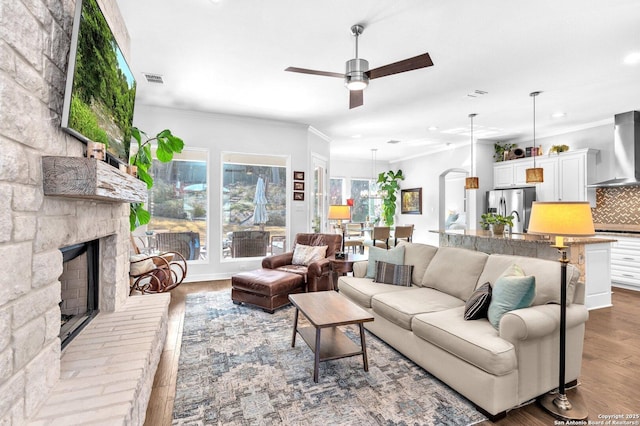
249 243
185 243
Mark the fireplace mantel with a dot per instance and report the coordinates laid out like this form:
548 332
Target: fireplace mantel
88 178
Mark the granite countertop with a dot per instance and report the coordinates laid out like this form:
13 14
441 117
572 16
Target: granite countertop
523 237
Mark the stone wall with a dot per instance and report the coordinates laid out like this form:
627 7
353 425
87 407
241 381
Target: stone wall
34 45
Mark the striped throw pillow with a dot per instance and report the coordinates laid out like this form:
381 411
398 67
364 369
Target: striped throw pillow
389 273
478 304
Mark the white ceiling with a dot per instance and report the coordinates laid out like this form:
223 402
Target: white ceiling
229 56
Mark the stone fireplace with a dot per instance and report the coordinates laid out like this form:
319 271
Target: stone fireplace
34 45
79 288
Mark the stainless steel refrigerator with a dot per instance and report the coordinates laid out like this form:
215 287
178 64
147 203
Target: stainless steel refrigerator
516 202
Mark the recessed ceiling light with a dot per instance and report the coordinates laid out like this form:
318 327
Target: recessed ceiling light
433 128
558 114
358 136
393 141
632 58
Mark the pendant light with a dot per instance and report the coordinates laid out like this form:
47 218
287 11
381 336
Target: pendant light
372 190
536 174
472 181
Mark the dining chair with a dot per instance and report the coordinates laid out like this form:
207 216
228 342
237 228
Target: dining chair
380 236
354 237
404 232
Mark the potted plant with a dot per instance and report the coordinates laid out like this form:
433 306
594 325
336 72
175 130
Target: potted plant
500 148
558 149
496 222
389 186
167 145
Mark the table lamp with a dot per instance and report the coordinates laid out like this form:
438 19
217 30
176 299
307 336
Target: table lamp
340 213
562 219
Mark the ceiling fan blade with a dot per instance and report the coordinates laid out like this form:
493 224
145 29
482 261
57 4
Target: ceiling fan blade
314 72
417 62
356 98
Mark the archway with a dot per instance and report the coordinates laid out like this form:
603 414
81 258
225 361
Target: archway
452 200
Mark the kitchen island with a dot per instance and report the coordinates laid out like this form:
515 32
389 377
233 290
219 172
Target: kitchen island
592 256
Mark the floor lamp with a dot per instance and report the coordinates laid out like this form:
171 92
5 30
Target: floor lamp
562 219
340 213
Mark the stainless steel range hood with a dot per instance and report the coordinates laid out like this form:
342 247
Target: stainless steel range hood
626 151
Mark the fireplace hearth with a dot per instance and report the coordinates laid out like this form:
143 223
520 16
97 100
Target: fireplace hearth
79 288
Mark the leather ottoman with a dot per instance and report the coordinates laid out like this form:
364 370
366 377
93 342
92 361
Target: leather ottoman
268 289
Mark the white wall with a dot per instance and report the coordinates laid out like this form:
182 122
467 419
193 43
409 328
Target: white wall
223 133
423 172
357 169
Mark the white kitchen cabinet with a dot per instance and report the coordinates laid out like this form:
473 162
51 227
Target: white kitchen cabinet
625 262
548 190
509 174
566 175
597 265
575 171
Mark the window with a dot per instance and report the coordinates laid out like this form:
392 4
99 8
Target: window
178 203
365 205
254 205
336 191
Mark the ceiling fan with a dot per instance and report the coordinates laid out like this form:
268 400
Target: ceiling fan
358 74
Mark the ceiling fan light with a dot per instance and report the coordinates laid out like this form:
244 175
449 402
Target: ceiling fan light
355 77
355 84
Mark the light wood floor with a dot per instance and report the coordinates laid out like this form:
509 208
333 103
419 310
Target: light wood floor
610 379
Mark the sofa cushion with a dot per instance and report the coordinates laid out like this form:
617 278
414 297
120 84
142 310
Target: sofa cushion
399 307
547 273
478 304
476 342
388 273
455 271
306 255
395 256
510 292
418 255
361 290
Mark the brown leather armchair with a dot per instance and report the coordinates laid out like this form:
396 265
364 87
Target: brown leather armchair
318 275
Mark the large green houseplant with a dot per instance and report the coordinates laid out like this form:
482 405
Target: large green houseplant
167 145
389 186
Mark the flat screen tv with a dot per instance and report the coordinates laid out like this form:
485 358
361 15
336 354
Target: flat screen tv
100 92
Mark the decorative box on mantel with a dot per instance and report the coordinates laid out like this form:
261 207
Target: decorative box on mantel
88 178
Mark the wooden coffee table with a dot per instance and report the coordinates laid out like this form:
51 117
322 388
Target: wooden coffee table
326 310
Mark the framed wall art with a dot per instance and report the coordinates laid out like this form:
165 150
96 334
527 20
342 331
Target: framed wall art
298 196
298 175
411 201
298 186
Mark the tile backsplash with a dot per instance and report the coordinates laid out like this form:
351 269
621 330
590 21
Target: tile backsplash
620 205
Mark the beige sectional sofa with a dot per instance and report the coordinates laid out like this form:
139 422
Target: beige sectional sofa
497 370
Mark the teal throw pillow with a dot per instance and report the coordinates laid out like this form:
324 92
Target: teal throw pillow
395 256
510 293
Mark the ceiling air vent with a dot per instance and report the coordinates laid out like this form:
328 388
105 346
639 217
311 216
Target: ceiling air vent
393 141
154 78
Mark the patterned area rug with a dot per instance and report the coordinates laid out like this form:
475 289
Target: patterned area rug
237 367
